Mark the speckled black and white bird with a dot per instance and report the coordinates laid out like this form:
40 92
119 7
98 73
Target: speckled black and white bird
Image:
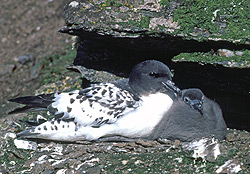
129 108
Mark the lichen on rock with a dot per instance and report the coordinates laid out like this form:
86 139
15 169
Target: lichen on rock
199 20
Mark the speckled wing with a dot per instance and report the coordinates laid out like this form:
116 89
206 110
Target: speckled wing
94 106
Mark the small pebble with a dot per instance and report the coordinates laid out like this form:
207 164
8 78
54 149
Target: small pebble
146 143
24 59
225 53
239 53
24 144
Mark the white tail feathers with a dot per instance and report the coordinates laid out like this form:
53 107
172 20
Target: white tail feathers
52 130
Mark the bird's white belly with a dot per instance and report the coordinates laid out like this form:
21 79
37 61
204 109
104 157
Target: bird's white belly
141 122
138 123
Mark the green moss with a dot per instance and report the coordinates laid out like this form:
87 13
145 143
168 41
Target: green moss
108 3
164 3
212 58
210 15
11 156
113 3
144 22
160 162
144 163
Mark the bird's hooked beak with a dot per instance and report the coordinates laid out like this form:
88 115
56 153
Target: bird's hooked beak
169 85
197 105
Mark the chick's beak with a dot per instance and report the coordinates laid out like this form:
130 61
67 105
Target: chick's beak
197 105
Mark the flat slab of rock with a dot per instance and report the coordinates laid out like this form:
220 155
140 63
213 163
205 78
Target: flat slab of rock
199 20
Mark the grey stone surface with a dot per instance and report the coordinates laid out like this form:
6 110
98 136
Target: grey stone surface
24 59
156 18
6 69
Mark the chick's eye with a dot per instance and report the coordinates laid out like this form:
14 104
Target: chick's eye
154 74
186 99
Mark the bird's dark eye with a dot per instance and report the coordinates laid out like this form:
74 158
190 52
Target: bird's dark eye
186 99
154 74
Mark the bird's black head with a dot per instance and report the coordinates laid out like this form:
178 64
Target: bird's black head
151 76
194 98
